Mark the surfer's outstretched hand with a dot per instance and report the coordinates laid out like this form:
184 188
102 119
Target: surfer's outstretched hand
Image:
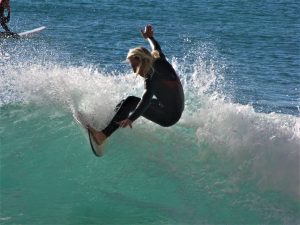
125 123
147 32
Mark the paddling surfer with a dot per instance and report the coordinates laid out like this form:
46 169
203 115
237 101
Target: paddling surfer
161 82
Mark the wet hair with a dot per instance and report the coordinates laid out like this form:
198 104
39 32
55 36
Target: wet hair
145 57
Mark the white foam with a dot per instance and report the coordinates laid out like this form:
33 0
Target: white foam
84 88
262 146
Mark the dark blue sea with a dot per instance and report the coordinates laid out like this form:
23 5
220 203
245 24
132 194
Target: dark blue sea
234 156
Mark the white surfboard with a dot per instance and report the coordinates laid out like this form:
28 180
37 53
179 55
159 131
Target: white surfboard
29 33
98 150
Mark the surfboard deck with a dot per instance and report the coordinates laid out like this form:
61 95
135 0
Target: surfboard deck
98 150
25 34
29 33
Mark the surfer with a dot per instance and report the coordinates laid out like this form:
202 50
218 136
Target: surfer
160 81
4 5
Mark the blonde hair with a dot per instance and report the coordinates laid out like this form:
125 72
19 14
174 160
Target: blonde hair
145 57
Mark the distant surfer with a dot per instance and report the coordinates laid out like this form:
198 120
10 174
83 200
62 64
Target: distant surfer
161 82
4 6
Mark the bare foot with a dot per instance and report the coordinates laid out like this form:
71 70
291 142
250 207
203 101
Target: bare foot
98 136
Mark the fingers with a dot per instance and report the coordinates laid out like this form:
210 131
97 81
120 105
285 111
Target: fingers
121 123
148 29
147 32
124 123
143 34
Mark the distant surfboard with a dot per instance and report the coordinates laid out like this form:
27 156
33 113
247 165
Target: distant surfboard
25 34
98 150
29 33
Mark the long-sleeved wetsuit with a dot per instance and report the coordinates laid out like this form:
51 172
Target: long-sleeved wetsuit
164 84
3 19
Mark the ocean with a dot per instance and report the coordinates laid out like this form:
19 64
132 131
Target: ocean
233 157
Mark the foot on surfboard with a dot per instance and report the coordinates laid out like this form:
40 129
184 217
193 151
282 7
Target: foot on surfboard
96 138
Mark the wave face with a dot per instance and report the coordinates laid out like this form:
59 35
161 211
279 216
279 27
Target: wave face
222 163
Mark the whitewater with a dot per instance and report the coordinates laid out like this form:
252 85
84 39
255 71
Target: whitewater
222 162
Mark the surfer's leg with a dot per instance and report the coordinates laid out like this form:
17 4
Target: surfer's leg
160 115
5 27
156 113
123 109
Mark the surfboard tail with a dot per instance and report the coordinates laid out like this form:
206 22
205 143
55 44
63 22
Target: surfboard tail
98 150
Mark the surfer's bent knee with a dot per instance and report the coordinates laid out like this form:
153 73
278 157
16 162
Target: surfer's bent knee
170 122
129 100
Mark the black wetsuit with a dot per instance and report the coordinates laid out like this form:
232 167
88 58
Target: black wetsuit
3 19
165 109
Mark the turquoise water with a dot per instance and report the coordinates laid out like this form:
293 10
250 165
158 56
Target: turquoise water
233 158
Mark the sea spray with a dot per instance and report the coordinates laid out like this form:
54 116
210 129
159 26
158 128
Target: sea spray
219 150
262 146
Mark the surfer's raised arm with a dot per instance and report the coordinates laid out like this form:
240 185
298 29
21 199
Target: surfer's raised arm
147 33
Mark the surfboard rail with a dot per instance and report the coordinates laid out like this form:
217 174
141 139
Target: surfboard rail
31 32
